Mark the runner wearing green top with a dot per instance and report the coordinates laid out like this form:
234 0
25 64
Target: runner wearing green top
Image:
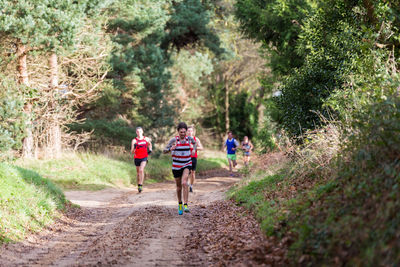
231 145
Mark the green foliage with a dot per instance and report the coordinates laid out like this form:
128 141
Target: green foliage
265 140
277 25
23 20
316 45
12 119
252 197
28 202
243 113
116 132
332 39
188 26
50 24
141 79
346 209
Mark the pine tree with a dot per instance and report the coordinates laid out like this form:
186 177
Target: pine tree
22 22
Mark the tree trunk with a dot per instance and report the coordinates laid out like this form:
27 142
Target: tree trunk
27 143
53 64
370 11
260 106
21 67
55 128
227 122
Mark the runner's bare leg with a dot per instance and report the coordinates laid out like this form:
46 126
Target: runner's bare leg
178 182
192 177
185 176
138 175
141 171
230 164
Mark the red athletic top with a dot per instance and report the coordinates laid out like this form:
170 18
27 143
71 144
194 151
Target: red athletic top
141 148
191 148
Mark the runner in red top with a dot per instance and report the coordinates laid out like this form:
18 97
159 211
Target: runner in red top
139 148
192 176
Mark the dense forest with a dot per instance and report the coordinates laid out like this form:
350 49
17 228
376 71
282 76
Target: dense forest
316 80
88 72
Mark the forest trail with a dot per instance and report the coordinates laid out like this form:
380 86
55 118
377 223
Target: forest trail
120 227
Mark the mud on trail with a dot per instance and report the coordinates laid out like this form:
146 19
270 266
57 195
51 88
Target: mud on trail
123 228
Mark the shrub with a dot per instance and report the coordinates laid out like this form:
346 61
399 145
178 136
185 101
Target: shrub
12 119
116 132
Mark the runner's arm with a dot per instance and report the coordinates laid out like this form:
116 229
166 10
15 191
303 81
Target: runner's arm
199 145
149 142
251 145
193 142
133 146
236 143
168 147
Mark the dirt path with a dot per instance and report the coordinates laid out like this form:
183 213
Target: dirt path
120 227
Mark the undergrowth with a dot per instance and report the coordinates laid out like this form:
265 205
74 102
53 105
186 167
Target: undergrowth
89 171
28 202
336 203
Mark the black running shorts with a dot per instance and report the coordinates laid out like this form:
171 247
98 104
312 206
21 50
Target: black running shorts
138 161
178 173
194 164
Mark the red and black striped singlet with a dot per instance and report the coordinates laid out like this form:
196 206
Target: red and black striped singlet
181 156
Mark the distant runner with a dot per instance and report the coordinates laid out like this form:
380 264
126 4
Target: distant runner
141 148
247 146
180 148
192 176
231 145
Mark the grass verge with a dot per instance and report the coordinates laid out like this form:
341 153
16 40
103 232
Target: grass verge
28 202
341 211
88 171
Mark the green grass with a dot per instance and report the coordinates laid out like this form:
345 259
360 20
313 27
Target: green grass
252 196
30 197
28 202
204 164
88 171
353 214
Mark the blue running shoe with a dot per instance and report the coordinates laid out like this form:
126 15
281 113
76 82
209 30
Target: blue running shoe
180 209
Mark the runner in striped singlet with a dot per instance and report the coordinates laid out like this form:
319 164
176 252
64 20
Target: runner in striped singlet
182 148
